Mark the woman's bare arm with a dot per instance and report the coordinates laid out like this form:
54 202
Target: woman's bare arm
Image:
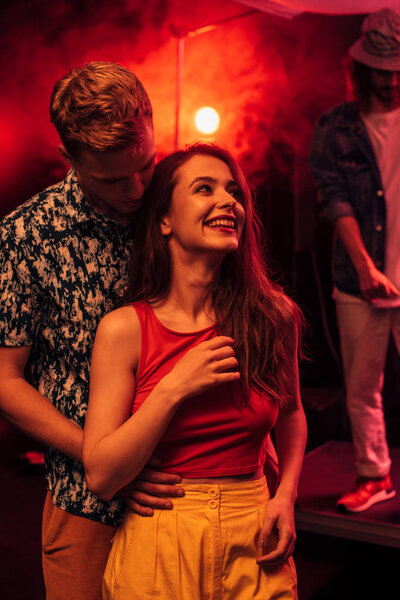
291 437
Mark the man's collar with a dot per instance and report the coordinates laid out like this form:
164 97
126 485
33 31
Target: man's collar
347 115
77 207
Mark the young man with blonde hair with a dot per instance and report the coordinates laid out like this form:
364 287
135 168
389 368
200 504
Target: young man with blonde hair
63 266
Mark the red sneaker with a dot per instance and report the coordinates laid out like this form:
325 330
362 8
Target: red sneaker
367 493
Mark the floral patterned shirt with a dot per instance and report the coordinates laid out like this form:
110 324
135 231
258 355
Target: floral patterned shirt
63 265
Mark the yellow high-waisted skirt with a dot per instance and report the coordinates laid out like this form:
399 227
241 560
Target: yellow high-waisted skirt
205 548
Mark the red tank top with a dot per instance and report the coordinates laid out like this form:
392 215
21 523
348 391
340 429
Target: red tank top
213 434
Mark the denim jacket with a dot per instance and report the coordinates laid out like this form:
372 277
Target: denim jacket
349 183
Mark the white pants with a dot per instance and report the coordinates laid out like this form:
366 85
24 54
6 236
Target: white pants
364 337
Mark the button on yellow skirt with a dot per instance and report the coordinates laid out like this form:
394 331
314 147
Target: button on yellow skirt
205 548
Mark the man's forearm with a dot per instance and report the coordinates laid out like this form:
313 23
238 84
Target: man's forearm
33 414
373 283
348 232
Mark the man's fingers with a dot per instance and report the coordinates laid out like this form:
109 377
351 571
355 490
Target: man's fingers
143 511
157 477
156 489
147 500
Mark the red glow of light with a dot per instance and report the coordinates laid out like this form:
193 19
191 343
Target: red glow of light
207 119
261 71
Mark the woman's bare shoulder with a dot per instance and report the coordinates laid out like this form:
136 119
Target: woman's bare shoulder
122 324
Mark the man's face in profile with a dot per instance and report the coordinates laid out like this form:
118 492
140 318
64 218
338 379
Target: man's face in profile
114 180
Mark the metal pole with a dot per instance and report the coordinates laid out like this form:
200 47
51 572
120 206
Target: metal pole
179 79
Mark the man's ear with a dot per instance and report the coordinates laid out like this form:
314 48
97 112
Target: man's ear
66 155
165 226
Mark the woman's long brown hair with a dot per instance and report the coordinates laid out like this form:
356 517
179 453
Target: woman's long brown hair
249 307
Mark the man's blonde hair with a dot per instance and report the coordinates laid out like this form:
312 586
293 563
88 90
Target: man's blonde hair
100 106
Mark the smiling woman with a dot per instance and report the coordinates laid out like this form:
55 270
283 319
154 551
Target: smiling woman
196 369
204 214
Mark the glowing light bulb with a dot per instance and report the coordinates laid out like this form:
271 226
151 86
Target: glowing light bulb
207 119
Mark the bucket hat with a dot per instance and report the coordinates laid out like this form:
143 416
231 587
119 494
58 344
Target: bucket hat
379 45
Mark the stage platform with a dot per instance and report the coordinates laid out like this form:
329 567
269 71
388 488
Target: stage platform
328 471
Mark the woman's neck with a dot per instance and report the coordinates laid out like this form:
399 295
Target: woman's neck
188 305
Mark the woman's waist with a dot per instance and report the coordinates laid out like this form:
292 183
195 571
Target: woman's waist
234 497
223 480
223 492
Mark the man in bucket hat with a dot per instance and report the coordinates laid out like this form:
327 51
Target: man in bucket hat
355 162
